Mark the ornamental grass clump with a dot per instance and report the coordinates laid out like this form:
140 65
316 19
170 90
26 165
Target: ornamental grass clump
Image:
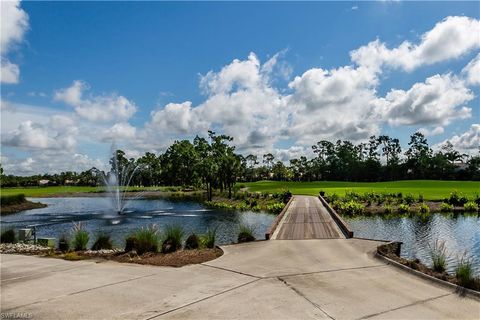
172 239
102 242
145 239
470 206
80 237
208 239
438 254
246 233
387 209
464 272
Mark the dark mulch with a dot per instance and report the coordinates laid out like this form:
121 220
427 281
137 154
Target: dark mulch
175 259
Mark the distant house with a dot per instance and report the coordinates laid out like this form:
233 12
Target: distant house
43 182
70 182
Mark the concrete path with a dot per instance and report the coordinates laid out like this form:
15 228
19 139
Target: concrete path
302 279
307 218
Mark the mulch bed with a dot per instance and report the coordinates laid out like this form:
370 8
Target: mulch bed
176 259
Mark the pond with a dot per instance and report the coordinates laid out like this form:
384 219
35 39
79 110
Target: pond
97 216
460 232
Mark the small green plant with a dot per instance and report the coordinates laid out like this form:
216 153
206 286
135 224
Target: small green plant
446 207
275 207
420 198
409 199
387 209
172 238
351 207
457 199
423 208
208 239
246 233
192 242
146 239
464 272
80 237
470 206
103 242
403 208
63 243
438 254
8 236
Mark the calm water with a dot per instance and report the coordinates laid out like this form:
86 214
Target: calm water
461 233
97 216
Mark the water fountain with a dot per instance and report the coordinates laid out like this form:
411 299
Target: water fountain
118 180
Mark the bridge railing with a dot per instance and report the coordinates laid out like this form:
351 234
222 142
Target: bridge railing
340 222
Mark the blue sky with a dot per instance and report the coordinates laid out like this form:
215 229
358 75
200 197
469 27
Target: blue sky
153 54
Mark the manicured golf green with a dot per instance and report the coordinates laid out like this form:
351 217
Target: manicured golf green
430 189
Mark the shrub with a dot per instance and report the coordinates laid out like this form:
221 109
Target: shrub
423 208
130 243
246 233
351 207
409 199
403 208
477 199
172 239
445 207
470 206
80 237
438 254
103 242
420 198
192 242
63 243
275 207
387 209
8 236
285 196
146 239
12 199
457 199
464 272
208 239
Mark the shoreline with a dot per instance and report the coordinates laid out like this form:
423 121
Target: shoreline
15 208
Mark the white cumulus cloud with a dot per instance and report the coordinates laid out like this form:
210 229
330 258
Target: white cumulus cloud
448 39
96 108
14 23
471 71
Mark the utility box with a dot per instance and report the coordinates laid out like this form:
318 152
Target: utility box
46 242
25 234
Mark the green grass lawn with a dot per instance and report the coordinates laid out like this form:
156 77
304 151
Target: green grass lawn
430 189
63 190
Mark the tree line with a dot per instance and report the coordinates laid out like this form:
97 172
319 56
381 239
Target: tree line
212 163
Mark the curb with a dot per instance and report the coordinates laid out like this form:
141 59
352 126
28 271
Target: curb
458 289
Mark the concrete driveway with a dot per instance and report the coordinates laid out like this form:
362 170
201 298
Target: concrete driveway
282 279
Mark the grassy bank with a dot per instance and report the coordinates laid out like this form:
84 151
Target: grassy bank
16 203
430 189
39 192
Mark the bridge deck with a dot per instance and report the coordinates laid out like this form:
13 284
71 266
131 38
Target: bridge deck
307 218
